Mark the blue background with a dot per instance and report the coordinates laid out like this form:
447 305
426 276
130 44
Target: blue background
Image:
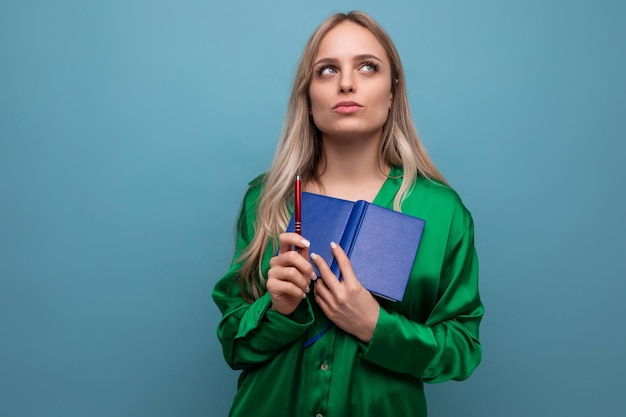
129 130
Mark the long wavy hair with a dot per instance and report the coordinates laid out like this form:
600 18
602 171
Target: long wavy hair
299 150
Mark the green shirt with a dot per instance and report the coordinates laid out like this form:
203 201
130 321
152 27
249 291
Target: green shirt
431 336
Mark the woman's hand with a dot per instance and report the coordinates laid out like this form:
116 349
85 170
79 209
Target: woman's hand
290 274
346 303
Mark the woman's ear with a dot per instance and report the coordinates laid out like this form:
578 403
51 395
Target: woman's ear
393 87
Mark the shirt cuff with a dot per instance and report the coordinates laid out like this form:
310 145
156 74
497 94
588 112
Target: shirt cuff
401 345
273 326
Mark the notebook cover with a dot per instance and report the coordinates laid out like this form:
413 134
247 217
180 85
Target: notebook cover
381 243
323 221
350 233
384 251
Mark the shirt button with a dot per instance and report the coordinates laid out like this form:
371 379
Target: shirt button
324 367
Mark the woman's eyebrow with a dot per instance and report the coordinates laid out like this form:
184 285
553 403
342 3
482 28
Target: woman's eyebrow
360 57
367 56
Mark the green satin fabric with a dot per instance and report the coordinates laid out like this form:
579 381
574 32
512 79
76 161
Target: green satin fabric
431 336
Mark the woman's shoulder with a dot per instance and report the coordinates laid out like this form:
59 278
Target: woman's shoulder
433 197
435 189
255 186
258 180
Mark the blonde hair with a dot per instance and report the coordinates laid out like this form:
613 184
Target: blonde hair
299 150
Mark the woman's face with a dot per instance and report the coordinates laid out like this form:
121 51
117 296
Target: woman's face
350 90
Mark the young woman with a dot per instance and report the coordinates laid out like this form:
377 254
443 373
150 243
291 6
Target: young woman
349 133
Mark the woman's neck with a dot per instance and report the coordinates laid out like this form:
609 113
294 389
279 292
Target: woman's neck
351 169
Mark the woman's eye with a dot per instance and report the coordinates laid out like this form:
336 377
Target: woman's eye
326 71
369 67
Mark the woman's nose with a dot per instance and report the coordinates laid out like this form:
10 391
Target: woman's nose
347 82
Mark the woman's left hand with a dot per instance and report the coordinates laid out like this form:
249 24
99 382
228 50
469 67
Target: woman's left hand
346 303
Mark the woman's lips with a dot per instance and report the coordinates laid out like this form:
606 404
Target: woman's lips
347 107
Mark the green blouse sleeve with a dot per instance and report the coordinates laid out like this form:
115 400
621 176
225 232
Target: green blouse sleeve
251 333
446 346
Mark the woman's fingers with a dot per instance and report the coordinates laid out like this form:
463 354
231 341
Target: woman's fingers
289 241
347 303
290 271
285 295
290 274
345 266
327 275
279 288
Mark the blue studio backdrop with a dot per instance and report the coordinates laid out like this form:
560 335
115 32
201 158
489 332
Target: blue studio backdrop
129 131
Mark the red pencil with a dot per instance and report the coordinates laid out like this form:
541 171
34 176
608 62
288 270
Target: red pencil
298 207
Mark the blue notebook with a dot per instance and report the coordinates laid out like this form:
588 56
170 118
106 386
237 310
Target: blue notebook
381 243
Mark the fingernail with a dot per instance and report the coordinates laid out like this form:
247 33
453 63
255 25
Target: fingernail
303 295
333 245
305 243
313 256
307 290
313 276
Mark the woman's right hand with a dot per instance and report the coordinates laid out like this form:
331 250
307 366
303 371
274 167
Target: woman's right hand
290 274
